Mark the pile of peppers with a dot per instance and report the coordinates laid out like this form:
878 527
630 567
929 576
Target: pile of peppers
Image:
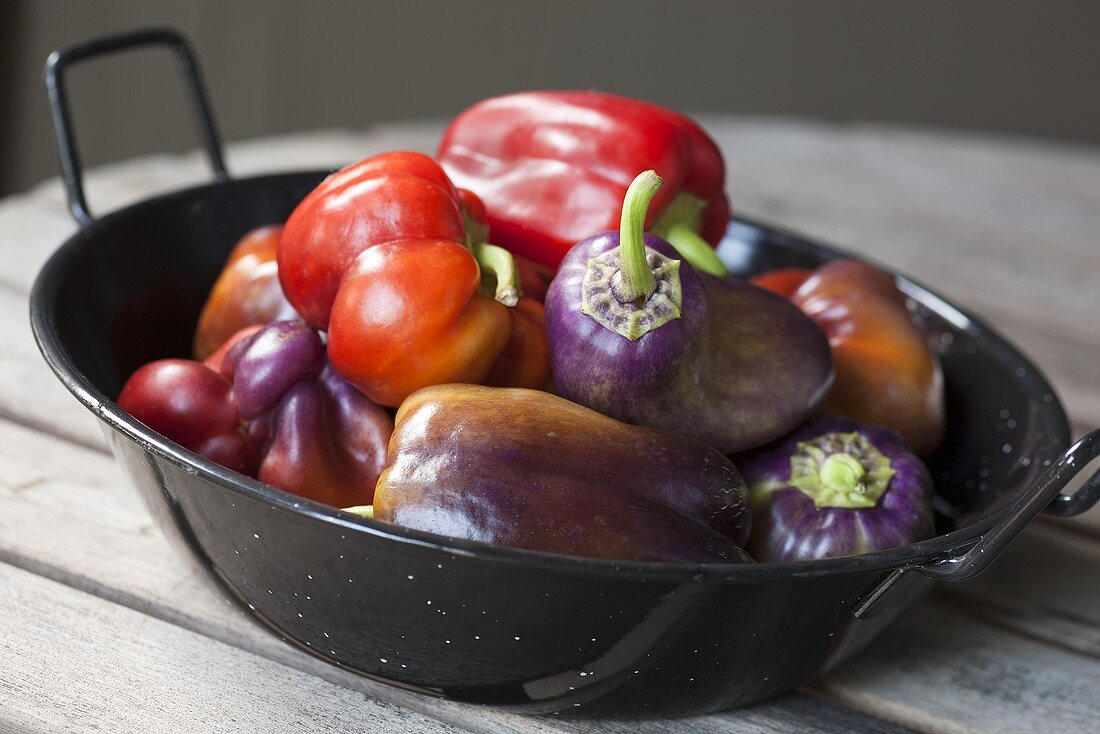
268 404
529 340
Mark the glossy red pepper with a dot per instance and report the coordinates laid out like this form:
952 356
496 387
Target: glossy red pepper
385 255
392 197
553 167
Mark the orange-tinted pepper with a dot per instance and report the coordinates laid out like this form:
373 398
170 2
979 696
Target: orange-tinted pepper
783 282
525 361
534 279
408 315
246 293
886 374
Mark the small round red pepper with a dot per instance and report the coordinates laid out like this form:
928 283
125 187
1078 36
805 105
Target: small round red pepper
268 405
191 404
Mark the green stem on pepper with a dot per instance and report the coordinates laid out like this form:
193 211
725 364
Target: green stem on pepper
632 289
843 473
841 470
638 282
366 511
679 224
500 263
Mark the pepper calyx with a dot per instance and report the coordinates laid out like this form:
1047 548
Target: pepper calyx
679 223
841 470
604 298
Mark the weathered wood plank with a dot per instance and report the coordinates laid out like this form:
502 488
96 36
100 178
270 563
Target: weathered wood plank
74 662
1044 586
30 393
73 521
33 224
997 681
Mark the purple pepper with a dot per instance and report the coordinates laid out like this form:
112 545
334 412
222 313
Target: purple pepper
638 334
311 431
836 488
270 362
527 469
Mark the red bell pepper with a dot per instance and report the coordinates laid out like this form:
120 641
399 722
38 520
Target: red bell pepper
553 168
385 255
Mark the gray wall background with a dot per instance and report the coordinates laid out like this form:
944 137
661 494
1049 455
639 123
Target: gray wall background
1025 67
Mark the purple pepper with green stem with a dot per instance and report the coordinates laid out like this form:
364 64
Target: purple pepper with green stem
638 334
837 488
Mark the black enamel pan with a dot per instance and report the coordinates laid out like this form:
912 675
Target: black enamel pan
530 631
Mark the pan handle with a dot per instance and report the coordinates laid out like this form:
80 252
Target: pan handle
58 63
1046 493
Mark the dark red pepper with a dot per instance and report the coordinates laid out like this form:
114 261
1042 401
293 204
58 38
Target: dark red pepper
192 404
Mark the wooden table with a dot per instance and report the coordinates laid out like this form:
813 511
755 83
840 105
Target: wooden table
106 626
